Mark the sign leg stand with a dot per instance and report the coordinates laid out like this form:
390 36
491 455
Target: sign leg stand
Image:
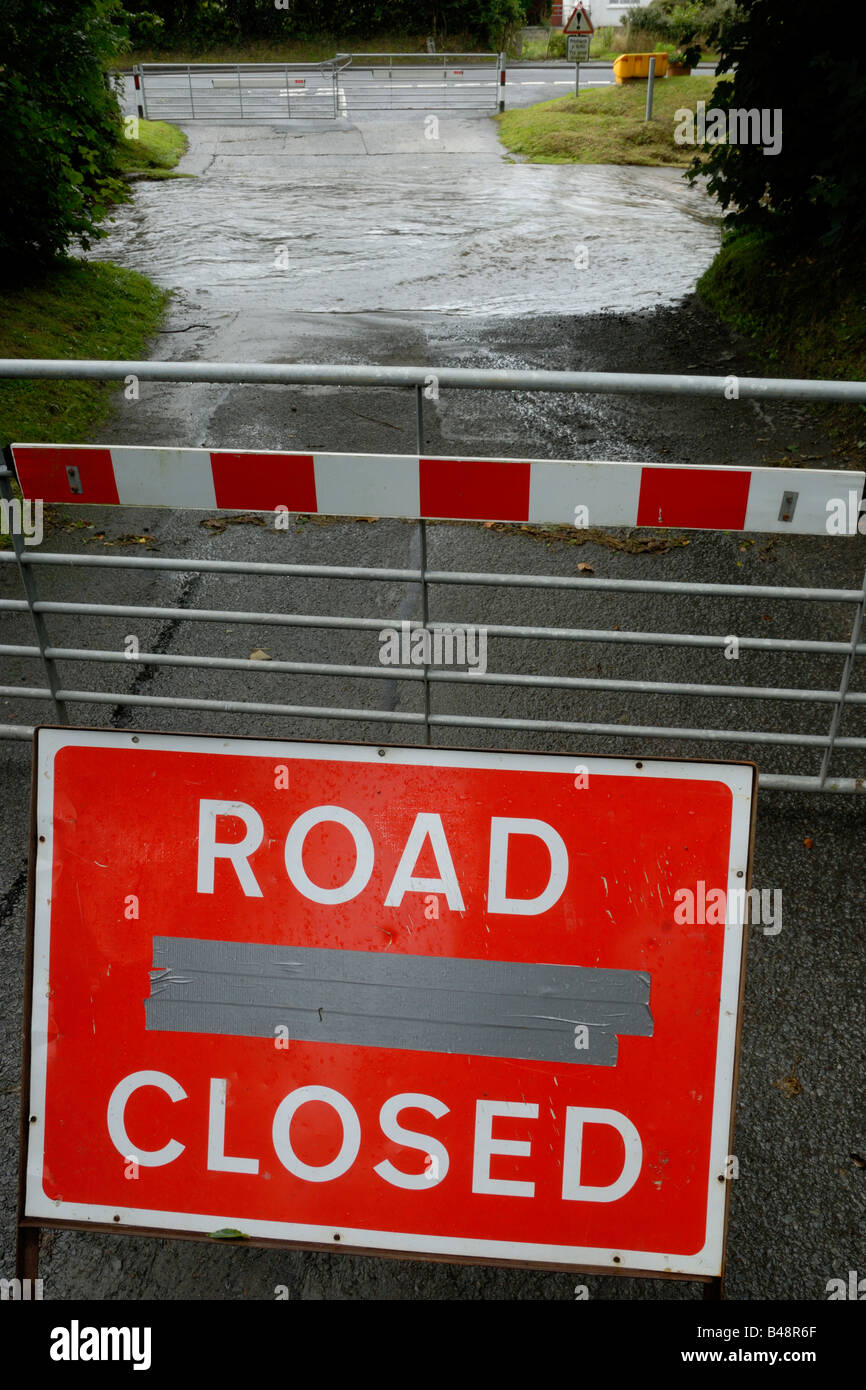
27 1253
576 78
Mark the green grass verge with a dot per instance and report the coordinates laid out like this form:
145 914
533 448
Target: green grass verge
606 125
555 47
80 309
805 311
151 150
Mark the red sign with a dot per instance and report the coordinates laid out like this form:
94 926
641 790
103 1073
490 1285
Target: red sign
579 22
423 1000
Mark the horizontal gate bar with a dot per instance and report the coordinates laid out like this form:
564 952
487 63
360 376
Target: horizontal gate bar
376 624
430 58
468 578
768 781
459 378
542 492
433 673
454 721
217 615
326 65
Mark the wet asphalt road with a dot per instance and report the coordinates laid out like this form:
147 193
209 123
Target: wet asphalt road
378 236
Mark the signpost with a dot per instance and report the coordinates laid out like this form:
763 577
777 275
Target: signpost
424 1001
578 30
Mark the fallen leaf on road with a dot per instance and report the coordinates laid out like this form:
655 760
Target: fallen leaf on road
122 540
259 654
219 523
586 569
808 842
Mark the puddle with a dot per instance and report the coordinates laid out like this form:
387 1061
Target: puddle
409 235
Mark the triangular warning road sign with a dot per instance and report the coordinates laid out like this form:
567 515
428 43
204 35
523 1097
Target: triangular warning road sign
578 22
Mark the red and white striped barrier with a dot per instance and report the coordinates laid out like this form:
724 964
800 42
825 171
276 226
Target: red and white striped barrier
795 500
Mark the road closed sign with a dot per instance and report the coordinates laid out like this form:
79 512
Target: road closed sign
428 1001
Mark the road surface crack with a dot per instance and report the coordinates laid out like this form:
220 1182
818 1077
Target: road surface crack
122 715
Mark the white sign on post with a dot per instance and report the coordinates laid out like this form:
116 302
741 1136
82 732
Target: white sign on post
577 48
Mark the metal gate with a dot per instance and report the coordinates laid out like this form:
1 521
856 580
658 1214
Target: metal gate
349 84
544 692
421 81
237 91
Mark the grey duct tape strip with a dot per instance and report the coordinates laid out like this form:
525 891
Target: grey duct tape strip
377 999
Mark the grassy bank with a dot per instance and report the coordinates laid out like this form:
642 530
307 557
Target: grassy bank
606 125
805 311
151 150
80 309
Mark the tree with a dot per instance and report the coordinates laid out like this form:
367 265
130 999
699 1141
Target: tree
489 20
60 125
201 23
814 189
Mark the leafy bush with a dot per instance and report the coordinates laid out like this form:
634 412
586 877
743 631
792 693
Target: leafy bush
60 126
640 40
687 25
145 29
207 23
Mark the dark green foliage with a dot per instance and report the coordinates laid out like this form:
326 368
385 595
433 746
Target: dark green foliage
689 24
146 28
814 189
60 125
203 23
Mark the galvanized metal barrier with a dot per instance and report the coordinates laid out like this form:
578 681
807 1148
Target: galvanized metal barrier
442 589
230 92
422 81
348 84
